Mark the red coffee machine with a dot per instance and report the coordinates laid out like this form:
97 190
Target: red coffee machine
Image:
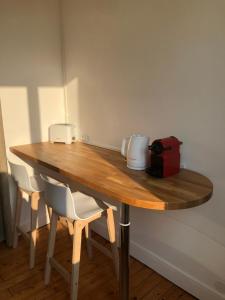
165 157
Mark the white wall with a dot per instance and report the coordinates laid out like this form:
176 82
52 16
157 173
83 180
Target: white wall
157 67
31 90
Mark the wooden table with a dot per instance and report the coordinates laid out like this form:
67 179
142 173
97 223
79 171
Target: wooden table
104 172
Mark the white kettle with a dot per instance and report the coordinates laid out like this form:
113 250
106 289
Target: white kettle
135 149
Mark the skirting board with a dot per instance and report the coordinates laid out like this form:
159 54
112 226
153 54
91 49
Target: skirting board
166 269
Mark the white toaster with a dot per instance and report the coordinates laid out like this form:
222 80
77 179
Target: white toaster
61 133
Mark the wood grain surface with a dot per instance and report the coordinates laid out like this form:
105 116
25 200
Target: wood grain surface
105 171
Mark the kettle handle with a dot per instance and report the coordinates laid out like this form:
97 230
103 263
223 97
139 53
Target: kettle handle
123 147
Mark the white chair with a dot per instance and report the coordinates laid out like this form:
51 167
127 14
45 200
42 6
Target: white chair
33 187
81 210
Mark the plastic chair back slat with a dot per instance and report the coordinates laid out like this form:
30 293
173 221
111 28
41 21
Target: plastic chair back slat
60 199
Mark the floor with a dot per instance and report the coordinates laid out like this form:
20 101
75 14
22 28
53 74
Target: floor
97 280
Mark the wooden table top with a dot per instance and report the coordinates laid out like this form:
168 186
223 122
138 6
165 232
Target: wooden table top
105 171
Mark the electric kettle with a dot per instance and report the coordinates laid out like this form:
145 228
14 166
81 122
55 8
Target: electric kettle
135 149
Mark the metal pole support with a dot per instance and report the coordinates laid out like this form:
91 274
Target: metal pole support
124 254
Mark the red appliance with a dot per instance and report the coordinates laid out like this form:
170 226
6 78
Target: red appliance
165 157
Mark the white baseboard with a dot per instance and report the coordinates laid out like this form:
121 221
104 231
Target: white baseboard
176 275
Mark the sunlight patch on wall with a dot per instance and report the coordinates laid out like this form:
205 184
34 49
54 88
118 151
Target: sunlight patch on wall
73 105
51 108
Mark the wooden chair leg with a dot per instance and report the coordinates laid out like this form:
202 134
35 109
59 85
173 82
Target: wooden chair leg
70 227
112 239
88 242
49 209
51 246
34 200
19 201
78 227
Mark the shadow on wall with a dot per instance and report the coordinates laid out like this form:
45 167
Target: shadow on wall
34 115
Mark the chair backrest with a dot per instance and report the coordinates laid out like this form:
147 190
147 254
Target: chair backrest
21 176
59 198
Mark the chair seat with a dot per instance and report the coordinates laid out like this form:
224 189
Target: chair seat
87 206
37 183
